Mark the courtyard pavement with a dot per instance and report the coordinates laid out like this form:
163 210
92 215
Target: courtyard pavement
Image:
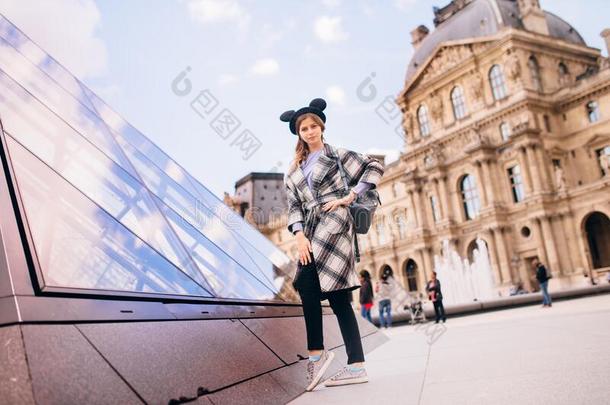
525 355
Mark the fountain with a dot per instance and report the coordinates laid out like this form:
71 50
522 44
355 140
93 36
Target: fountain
462 281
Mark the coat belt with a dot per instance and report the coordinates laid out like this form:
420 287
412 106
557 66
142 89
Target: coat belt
312 208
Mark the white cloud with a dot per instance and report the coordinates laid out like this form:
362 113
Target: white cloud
226 78
66 29
329 29
219 11
265 67
336 95
404 5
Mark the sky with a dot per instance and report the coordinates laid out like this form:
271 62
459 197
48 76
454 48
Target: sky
178 69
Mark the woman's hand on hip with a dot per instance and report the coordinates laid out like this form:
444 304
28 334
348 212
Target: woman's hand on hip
304 248
345 201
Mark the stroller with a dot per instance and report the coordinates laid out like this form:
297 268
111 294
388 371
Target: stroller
416 308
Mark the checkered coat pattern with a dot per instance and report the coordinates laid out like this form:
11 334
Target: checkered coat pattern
331 233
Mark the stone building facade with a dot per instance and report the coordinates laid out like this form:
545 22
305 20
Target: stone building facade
506 113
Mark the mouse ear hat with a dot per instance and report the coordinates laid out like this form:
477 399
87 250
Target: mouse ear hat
316 106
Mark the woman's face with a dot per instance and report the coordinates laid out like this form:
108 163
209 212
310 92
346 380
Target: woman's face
310 131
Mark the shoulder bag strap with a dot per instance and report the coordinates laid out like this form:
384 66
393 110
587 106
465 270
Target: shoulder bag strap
344 178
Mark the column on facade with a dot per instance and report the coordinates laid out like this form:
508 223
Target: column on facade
535 170
418 208
445 198
551 247
411 204
481 183
577 257
544 168
489 183
540 240
503 259
427 263
583 248
572 254
493 255
439 205
525 169
421 268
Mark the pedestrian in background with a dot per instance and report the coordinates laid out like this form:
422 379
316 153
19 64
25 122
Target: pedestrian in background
433 287
542 275
383 288
366 295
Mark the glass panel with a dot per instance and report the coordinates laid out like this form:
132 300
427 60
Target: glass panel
79 245
226 276
199 217
42 60
76 115
99 178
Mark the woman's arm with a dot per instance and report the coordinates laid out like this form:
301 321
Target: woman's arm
295 210
360 168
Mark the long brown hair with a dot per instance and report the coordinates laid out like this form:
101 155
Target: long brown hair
302 149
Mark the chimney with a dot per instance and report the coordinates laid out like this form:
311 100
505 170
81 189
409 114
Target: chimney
418 34
533 17
605 34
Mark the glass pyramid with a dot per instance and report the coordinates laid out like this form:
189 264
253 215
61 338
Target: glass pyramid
105 209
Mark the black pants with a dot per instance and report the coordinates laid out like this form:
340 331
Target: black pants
311 296
439 310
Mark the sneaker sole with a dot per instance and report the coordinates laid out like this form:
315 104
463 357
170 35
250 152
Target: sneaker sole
358 380
318 377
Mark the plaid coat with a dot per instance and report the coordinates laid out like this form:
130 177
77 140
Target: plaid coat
331 233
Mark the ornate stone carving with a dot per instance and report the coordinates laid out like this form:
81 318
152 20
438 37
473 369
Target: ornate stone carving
560 179
408 123
513 67
475 87
436 107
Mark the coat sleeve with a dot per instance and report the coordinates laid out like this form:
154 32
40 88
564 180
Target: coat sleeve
360 168
295 210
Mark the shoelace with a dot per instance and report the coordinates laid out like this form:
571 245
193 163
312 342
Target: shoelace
344 370
310 369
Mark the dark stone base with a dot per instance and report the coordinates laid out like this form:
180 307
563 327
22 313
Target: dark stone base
221 361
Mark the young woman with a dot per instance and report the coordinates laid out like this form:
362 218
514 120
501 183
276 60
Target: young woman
319 218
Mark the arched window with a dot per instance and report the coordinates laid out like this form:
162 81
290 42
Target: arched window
422 118
534 68
411 270
496 81
516 183
593 111
470 196
563 70
505 131
458 102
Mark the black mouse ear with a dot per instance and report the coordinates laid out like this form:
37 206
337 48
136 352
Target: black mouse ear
287 115
318 103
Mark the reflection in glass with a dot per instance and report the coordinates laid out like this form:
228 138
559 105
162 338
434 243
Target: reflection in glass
92 172
79 245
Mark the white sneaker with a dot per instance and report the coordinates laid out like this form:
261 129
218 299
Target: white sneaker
316 369
347 376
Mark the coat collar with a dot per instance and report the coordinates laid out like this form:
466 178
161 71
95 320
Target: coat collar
323 164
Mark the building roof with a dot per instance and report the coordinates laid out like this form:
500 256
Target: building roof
481 18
